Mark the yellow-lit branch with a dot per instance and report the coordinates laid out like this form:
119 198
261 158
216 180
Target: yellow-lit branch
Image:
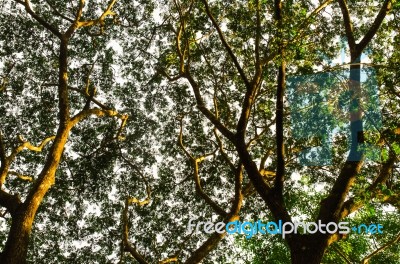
100 20
7 160
100 113
195 162
21 176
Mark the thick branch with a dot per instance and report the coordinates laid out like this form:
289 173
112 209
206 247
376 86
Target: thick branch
258 35
200 104
39 19
100 19
126 245
198 255
181 29
270 197
280 151
9 201
100 113
356 203
247 104
386 7
357 49
332 205
2 152
348 26
63 104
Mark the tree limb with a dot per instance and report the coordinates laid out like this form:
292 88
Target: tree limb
366 259
210 116
355 203
44 23
195 163
357 49
348 26
28 145
126 245
199 254
3 155
21 176
226 46
90 97
386 7
58 13
100 19
100 113
9 201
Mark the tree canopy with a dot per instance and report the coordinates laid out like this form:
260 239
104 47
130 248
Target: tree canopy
122 121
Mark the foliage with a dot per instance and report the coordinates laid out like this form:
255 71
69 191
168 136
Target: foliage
182 72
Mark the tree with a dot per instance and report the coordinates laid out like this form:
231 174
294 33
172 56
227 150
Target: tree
56 40
210 134
224 54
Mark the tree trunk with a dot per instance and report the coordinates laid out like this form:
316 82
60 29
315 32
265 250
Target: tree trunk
16 248
307 249
356 111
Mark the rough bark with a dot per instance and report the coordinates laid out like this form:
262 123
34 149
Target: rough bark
308 249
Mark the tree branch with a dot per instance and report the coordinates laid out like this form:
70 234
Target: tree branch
28 145
366 259
133 200
258 36
52 29
280 148
3 155
356 203
348 26
100 113
21 176
222 151
195 162
226 45
386 7
6 163
332 205
199 254
100 20
357 49
90 97
58 13
210 116
9 201
126 245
